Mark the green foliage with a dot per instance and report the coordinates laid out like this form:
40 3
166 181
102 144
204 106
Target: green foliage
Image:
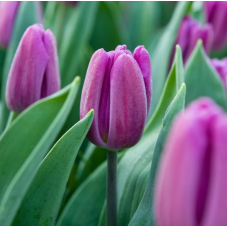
202 80
42 201
22 150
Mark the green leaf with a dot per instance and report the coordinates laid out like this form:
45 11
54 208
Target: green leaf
143 215
42 202
161 57
78 32
135 165
84 207
25 143
26 16
202 80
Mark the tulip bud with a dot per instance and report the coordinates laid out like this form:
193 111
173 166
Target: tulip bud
221 67
189 33
34 73
118 87
8 11
216 15
191 182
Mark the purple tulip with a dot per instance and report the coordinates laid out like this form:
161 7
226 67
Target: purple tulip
118 87
191 182
190 32
221 67
216 15
8 12
34 73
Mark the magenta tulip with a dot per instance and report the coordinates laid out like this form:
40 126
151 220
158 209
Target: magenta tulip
34 73
118 87
189 33
191 182
216 15
8 12
221 67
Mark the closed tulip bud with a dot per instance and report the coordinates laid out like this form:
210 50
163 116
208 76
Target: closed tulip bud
216 15
189 33
34 73
8 13
118 87
191 182
221 67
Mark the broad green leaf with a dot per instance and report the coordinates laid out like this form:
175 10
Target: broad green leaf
42 202
26 16
143 215
161 58
84 207
77 33
135 165
25 143
201 79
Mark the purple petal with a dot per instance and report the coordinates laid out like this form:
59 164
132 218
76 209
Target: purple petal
92 91
143 59
27 70
128 104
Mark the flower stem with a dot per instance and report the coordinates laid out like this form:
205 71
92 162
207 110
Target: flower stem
111 189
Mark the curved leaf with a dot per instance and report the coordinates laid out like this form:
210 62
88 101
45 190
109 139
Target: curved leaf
42 202
32 133
143 215
202 80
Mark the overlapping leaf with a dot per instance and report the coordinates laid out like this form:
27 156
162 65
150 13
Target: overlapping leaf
24 144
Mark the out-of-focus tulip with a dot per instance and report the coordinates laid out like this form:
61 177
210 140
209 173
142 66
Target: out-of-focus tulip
221 67
70 3
8 12
34 73
189 33
118 87
216 15
191 181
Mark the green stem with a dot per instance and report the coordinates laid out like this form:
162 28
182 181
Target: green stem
111 189
11 118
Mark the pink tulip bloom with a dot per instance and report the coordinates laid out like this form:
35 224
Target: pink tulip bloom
191 182
34 73
118 87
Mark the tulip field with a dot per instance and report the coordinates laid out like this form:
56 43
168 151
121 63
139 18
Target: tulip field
113 113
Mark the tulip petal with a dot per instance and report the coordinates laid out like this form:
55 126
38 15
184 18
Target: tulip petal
51 80
27 70
128 104
143 59
91 94
8 11
216 205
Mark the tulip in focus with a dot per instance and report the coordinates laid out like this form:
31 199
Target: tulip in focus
191 181
34 73
118 87
221 67
8 12
189 33
216 15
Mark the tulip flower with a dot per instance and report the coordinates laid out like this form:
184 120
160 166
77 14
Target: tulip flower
34 73
216 15
8 12
118 87
191 182
221 67
189 33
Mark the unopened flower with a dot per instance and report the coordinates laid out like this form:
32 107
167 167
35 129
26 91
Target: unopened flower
118 87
